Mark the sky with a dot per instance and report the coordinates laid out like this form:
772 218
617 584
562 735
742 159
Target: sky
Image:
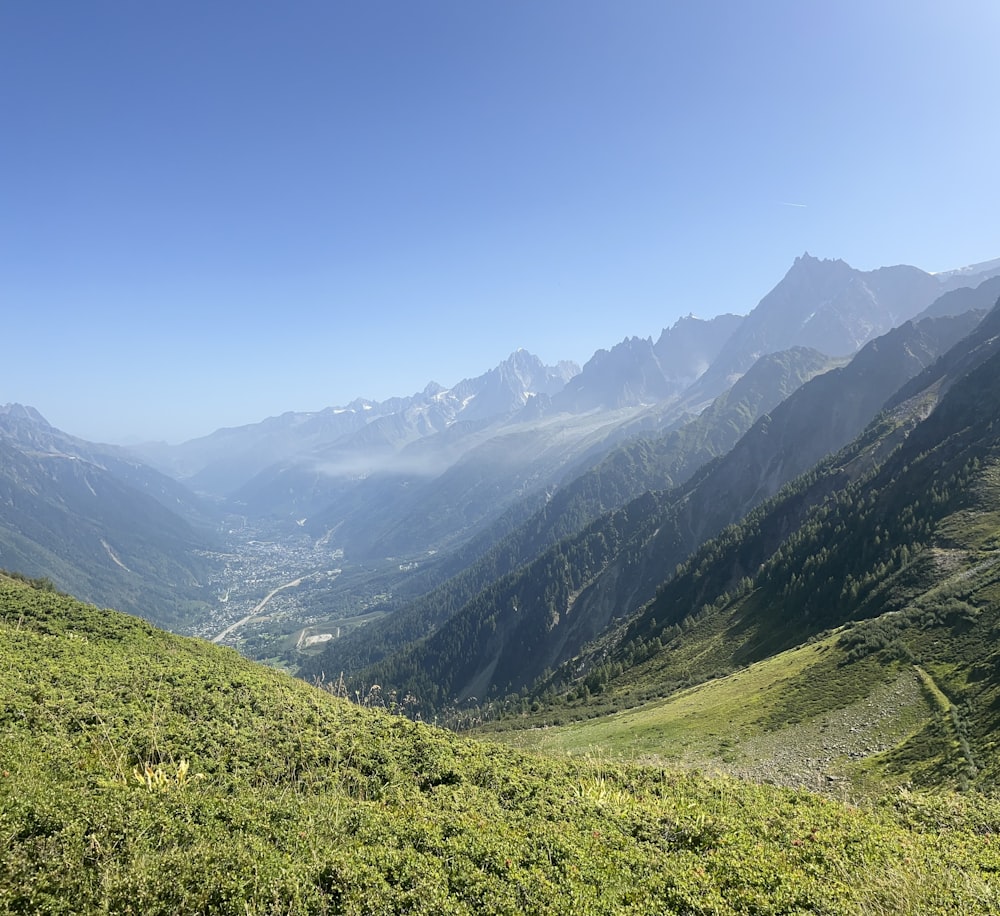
212 213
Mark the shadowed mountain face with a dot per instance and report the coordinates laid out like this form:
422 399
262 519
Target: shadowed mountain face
895 540
687 348
535 619
99 523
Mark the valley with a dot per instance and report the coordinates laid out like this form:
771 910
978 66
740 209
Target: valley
288 576
771 586
499 459
282 594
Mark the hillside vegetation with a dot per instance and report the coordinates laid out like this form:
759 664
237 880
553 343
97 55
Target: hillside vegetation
538 616
857 612
146 773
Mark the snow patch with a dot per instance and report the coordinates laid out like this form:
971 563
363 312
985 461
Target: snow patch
968 270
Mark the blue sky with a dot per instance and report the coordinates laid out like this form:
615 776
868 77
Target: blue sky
215 212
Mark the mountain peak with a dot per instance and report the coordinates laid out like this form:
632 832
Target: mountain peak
809 263
23 412
521 358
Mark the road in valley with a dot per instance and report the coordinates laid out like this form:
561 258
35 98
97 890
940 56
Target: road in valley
274 591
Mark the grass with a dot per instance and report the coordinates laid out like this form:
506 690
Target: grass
145 773
707 716
800 718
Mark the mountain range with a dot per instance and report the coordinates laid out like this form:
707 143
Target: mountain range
381 475
500 526
762 546
542 614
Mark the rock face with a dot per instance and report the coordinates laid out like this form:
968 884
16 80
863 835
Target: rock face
691 345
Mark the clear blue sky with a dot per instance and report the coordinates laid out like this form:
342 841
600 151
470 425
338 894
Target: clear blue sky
213 212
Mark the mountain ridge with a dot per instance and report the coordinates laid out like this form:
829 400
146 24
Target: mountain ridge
616 563
99 523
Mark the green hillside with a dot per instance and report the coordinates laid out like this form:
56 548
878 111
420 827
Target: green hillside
805 718
846 630
88 528
146 773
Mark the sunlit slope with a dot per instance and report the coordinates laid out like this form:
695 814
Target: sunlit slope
803 718
146 773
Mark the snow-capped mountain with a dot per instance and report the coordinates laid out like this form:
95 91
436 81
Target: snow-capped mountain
227 459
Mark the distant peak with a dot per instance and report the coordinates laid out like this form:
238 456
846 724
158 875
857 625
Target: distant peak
971 269
521 360
23 412
806 262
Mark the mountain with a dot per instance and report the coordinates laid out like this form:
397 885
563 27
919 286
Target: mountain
965 299
99 523
627 472
510 386
360 438
689 346
399 489
625 376
829 305
28 430
462 456
978 272
539 616
638 372
219 463
868 583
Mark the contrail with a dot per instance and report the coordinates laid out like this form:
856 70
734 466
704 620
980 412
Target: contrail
785 203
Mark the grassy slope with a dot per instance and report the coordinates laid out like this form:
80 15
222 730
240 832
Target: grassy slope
295 801
799 718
